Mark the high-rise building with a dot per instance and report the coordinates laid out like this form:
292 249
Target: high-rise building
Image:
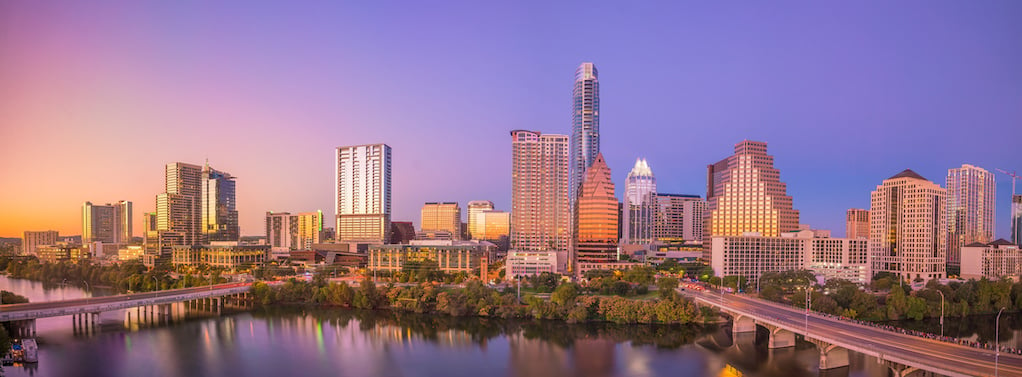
639 208
475 221
857 223
970 210
907 227
747 196
109 223
595 219
286 232
219 207
34 239
678 217
585 125
99 223
363 193
540 214
178 209
1016 219
441 216
150 231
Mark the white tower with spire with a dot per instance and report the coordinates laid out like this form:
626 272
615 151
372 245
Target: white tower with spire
639 206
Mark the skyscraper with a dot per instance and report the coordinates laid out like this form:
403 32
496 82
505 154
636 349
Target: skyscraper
638 211
747 196
908 227
970 210
219 206
857 223
125 221
363 193
585 124
540 214
1016 219
475 208
443 217
178 210
595 219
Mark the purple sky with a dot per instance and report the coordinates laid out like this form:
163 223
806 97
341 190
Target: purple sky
95 97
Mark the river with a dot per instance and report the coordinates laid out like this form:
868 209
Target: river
333 342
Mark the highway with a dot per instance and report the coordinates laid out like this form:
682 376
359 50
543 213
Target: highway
103 303
927 354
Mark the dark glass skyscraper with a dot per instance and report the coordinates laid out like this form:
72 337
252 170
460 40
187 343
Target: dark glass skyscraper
585 125
219 206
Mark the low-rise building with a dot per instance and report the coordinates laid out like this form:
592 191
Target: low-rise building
524 263
752 255
61 252
130 253
449 258
994 260
220 254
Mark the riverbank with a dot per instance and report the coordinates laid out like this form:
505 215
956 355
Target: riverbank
477 300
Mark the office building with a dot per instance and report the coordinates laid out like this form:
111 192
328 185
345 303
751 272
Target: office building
971 195
751 256
363 193
638 210
857 223
218 254
218 206
494 225
907 221
33 239
475 221
521 264
445 217
540 215
678 217
585 125
449 258
150 232
745 195
596 219
109 223
130 253
993 260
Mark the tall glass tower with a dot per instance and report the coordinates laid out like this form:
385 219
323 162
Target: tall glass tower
585 125
971 194
640 204
1016 219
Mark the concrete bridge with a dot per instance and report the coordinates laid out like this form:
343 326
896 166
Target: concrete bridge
21 317
905 355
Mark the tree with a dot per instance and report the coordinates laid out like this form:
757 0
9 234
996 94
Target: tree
565 294
545 282
666 286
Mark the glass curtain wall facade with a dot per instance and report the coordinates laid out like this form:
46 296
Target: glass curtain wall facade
219 206
970 210
585 124
596 218
638 212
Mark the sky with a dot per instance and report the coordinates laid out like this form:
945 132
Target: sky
97 97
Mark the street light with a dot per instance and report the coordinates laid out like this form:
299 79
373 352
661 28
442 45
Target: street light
941 313
87 290
809 304
997 340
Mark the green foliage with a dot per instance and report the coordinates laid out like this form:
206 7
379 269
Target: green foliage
121 277
666 286
545 282
12 298
565 294
640 275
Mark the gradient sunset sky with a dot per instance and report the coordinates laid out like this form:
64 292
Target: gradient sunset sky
96 97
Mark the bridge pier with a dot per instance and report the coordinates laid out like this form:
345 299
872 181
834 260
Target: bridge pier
901 370
740 324
780 338
831 356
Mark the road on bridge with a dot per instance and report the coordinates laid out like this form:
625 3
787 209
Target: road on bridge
93 301
927 354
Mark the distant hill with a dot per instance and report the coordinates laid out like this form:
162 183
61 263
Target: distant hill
11 240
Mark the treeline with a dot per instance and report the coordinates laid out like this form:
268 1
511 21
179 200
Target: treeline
888 300
120 277
566 302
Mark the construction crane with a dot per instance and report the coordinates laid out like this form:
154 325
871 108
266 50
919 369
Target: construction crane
1013 178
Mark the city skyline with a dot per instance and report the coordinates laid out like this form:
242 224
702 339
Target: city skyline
845 109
